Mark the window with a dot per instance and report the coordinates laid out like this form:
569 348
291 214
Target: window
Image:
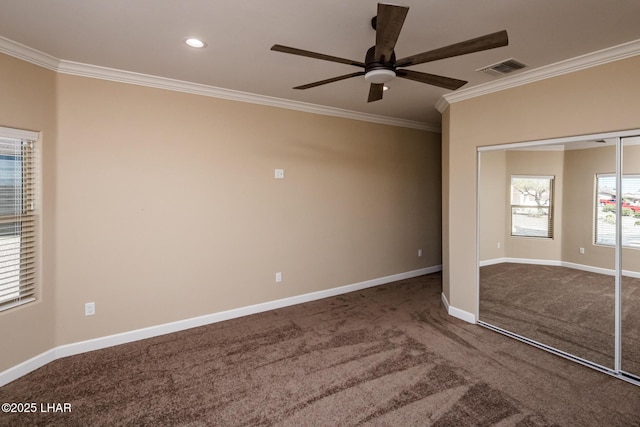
531 206
17 218
605 212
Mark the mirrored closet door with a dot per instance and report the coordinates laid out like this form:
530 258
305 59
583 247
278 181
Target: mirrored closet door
630 278
552 237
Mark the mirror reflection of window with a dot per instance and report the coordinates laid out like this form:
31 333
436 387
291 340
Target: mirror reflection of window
531 206
605 215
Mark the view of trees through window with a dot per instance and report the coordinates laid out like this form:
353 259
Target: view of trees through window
531 206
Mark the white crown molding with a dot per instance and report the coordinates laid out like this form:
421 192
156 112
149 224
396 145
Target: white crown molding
104 73
25 53
442 104
593 59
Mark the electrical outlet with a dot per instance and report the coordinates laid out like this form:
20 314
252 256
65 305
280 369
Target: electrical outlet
498 245
419 252
279 174
90 309
278 277
581 250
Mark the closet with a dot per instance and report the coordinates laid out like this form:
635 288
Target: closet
559 247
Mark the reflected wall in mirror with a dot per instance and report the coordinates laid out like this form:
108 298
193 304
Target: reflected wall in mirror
542 275
630 280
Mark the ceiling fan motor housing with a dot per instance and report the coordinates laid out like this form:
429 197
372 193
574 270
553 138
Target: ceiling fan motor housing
379 72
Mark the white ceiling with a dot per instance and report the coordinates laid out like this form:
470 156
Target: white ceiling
146 36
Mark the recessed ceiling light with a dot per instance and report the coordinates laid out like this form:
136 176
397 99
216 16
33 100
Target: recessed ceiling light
195 43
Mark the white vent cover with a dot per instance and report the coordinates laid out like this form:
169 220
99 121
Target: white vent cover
503 67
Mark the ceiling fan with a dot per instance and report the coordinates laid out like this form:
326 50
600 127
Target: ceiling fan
380 64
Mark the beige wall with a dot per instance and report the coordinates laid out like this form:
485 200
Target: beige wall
574 199
548 163
599 99
169 209
28 102
579 212
493 204
581 168
161 206
497 167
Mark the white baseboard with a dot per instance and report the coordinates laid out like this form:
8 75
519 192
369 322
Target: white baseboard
629 273
589 268
492 261
27 366
42 359
520 261
458 313
462 315
583 267
445 302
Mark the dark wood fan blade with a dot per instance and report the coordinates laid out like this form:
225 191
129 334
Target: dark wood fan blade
309 54
331 80
375 92
489 41
389 22
431 79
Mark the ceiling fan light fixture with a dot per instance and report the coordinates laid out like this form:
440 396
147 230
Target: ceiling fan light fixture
380 75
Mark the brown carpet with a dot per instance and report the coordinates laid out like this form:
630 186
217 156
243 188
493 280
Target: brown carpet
568 309
385 356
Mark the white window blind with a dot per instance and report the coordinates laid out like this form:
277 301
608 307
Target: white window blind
606 207
17 220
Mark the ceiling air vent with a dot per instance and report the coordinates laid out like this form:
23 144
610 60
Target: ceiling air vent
503 67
